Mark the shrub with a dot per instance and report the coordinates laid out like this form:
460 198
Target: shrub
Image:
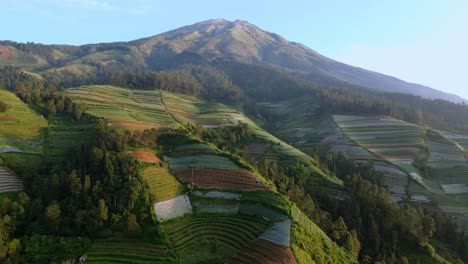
3 106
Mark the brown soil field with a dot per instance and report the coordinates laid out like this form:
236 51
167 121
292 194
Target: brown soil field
263 252
136 125
145 156
5 53
222 179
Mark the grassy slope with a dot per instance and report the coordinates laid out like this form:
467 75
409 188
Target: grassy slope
20 121
64 133
161 183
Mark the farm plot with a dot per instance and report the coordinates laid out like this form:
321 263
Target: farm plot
217 195
20 126
393 140
229 179
279 233
192 149
394 179
134 110
215 206
65 133
9 182
212 239
173 208
190 109
460 140
145 156
453 180
127 251
444 153
200 161
270 199
263 252
161 183
262 211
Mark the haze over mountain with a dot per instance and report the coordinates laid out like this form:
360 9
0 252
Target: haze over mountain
211 41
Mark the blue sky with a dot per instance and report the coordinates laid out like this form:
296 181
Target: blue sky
421 41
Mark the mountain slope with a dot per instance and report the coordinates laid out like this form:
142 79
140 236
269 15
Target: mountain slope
211 41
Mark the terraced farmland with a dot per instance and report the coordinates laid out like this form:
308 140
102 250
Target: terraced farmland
161 183
21 128
222 179
215 206
9 182
261 251
394 140
173 208
130 109
190 109
192 149
145 156
127 251
212 239
65 133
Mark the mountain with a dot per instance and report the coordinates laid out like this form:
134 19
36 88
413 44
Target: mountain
207 42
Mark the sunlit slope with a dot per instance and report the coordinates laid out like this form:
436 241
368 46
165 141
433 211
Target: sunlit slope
21 128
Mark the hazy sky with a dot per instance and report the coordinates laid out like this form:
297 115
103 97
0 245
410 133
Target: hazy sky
422 41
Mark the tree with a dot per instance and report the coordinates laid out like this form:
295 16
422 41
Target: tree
87 183
3 106
74 183
102 210
52 216
132 224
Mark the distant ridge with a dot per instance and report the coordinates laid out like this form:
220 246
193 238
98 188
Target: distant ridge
216 40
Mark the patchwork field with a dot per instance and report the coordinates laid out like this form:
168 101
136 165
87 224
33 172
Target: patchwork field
127 251
21 128
212 239
390 139
161 183
130 109
186 108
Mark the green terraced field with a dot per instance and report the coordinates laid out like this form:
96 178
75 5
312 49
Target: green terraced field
115 103
192 149
212 238
127 251
161 183
65 133
20 122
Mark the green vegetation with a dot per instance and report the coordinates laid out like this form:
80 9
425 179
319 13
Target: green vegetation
64 134
19 121
161 183
311 245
